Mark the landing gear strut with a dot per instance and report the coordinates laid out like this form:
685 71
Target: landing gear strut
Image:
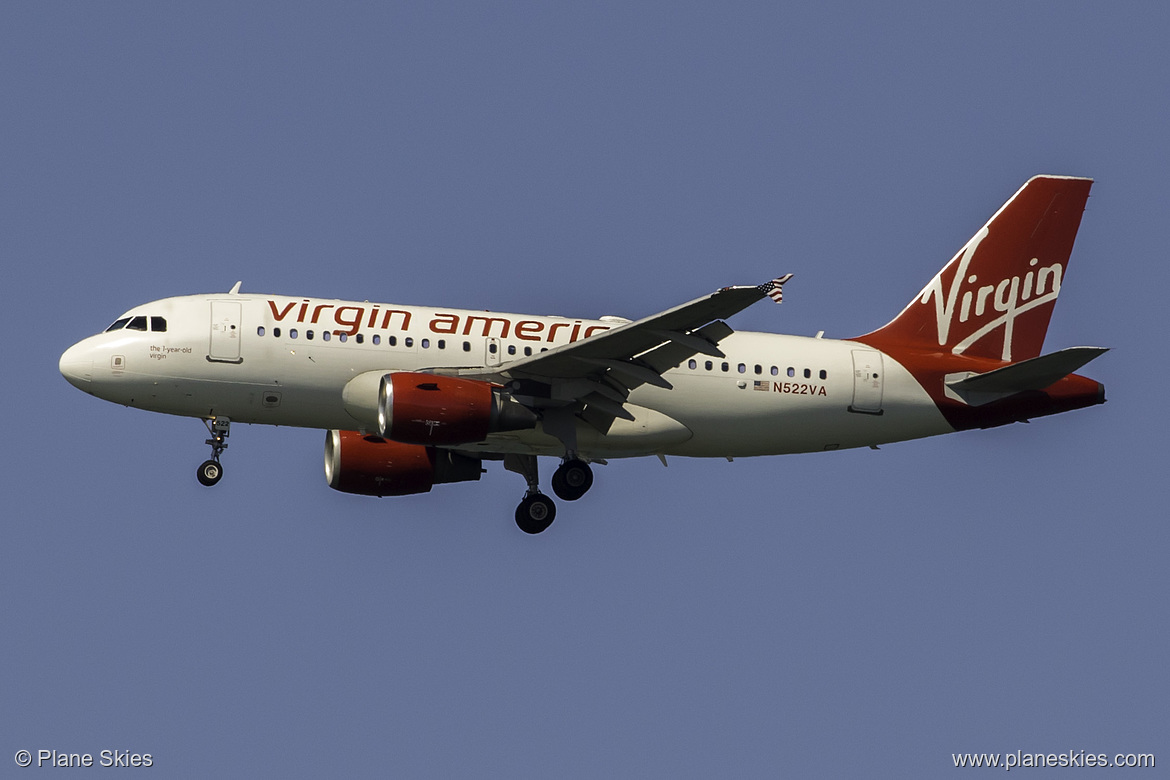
572 479
210 471
537 511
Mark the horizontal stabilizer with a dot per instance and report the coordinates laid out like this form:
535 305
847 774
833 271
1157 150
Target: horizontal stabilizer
1035 374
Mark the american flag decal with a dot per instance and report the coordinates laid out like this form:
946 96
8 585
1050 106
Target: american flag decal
775 288
761 385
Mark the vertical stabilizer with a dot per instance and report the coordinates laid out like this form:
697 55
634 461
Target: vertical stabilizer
995 297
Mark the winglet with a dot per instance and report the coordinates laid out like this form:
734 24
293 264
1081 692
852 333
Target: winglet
235 289
775 288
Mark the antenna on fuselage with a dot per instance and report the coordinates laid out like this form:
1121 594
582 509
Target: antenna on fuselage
235 289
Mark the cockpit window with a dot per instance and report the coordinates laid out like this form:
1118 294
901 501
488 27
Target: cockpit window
157 324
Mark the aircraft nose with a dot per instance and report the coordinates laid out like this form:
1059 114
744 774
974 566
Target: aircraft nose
77 366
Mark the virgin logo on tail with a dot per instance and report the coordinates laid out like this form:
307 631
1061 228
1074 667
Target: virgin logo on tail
1010 297
995 297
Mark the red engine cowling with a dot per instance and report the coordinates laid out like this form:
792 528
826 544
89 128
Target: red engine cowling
373 466
441 410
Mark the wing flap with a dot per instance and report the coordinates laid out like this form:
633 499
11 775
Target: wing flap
671 354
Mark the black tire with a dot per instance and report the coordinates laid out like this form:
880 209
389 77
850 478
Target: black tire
535 513
209 473
572 479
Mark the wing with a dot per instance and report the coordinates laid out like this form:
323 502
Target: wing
594 376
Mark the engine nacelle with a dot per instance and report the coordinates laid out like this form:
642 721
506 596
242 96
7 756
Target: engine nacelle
440 410
373 466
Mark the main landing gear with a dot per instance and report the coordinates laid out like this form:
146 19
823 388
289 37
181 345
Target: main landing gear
210 471
572 479
537 511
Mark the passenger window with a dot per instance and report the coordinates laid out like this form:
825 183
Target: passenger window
442 344
360 338
775 371
292 334
708 365
326 335
511 349
425 343
118 325
377 339
692 363
726 367
742 368
159 324
138 323
808 373
309 335
527 351
791 371
759 369
492 348
467 346
824 374
343 337
408 342
392 341
276 332
260 331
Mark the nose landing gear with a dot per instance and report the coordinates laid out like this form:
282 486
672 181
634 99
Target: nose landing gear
210 471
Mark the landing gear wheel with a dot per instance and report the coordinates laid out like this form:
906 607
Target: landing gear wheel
572 479
209 472
535 513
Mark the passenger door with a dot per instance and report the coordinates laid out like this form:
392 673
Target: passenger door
867 382
225 332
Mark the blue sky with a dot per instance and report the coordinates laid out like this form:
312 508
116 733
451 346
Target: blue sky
845 614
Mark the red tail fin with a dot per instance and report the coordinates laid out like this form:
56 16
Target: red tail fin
995 297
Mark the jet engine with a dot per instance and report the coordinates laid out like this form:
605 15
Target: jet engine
441 410
374 466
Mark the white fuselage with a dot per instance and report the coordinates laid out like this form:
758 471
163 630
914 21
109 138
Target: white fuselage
287 361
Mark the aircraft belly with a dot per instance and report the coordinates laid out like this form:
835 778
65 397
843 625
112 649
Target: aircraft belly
650 432
304 406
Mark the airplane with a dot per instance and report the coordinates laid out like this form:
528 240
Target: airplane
411 397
